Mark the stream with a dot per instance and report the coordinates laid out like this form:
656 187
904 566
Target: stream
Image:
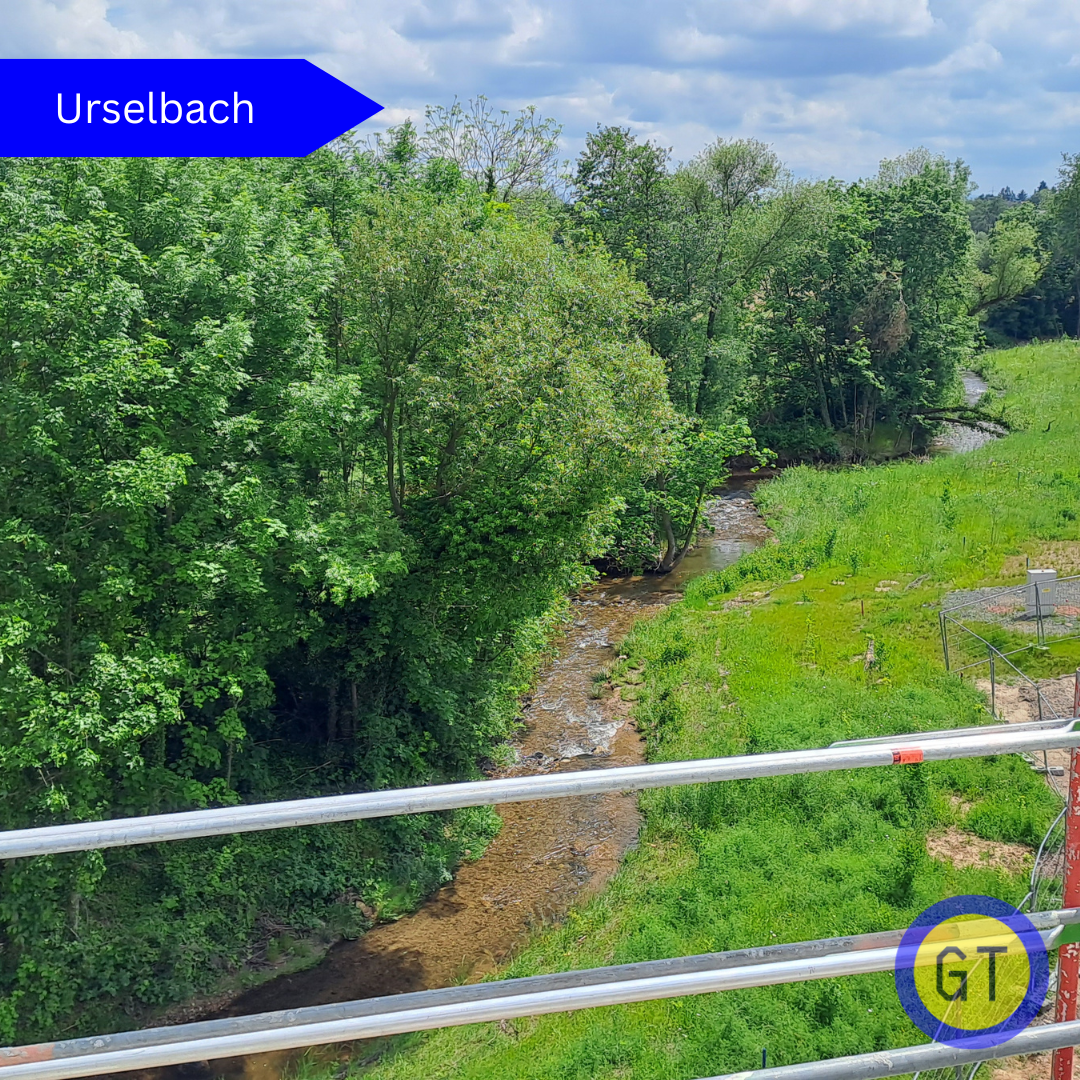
548 855
957 439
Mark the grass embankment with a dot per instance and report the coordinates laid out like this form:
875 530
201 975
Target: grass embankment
733 865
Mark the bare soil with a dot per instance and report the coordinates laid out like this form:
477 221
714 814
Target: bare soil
1019 704
1029 1067
1062 555
964 850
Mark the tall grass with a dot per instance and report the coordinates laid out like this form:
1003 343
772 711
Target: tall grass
771 654
955 517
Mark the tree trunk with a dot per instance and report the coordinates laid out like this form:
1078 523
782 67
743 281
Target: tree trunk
388 433
669 559
401 453
332 713
354 711
691 532
823 401
676 552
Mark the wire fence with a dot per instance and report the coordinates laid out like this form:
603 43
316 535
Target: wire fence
991 632
955 1072
994 628
985 632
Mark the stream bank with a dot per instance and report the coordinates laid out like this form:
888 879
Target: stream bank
548 855
956 438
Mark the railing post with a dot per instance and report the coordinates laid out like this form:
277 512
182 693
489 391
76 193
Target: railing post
1069 955
993 682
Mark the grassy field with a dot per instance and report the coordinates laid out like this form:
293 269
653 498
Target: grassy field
756 661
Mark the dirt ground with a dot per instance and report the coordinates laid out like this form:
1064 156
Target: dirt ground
1030 1067
1062 555
964 850
1018 704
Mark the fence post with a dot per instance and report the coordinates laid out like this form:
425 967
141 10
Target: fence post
1040 637
993 682
944 638
1069 955
1076 694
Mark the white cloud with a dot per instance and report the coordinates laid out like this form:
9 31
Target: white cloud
900 16
834 84
978 56
64 28
688 44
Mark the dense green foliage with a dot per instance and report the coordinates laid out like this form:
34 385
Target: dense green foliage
298 461
812 311
787 859
1049 304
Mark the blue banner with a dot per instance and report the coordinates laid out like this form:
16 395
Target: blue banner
174 108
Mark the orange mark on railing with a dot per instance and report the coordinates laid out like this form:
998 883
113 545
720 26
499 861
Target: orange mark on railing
910 756
21 1055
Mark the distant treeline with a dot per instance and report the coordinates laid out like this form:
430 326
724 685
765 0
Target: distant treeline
1050 216
300 458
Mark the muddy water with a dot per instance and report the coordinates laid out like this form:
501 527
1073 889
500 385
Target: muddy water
548 854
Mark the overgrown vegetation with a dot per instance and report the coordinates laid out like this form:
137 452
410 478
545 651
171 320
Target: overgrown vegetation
299 461
301 458
773 654
1042 231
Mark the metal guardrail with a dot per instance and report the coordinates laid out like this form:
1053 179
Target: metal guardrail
224 821
949 733
234 1025
514 998
509 999
543 994
916 1059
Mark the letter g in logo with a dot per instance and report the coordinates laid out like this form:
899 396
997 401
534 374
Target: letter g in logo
961 975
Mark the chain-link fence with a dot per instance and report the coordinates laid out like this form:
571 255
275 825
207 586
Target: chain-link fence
1011 621
957 1072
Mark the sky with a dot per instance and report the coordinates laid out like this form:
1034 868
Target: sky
833 85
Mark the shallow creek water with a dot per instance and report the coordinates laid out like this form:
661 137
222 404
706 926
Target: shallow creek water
957 439
548 854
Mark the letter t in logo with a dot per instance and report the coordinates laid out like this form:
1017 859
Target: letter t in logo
993 950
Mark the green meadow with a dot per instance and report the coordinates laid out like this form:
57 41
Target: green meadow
769 655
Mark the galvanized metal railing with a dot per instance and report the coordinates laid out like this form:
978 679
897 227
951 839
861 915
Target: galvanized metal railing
510 999
919 1059
504 1000
227 820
